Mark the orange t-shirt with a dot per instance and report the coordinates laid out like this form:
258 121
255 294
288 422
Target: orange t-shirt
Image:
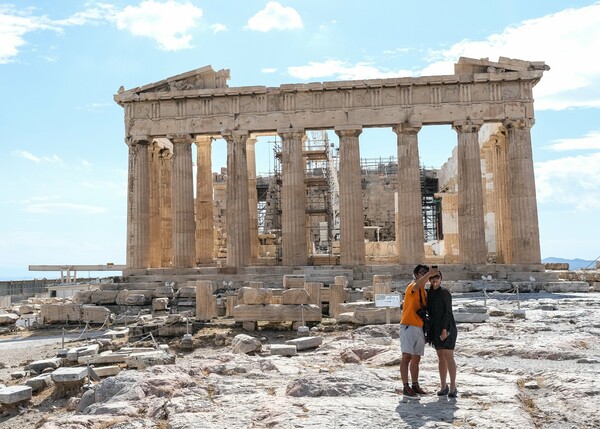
411 305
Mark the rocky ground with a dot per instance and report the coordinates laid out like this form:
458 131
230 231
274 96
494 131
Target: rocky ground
540 371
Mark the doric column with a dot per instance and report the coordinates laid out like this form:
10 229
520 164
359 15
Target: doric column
352 230
205 227
166 207
471 228
154 221
252 197
502 208
238 232
409 228
293 198
525 234
138 204
184 225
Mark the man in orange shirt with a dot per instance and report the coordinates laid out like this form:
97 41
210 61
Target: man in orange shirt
412 339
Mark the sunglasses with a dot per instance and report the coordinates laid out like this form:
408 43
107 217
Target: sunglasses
435 277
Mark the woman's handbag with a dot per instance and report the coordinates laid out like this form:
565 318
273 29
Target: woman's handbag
426 318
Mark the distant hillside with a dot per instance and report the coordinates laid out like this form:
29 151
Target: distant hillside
574 264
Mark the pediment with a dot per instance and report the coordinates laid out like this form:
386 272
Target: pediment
201 78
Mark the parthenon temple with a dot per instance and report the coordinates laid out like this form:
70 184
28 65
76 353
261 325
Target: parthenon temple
479 208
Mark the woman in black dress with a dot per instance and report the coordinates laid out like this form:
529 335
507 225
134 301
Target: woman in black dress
443 333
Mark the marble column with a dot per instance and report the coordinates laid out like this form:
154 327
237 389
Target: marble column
238 231
166 207
471 228
138 204
293 198
184 225
525 234
252 197
154 221
410 237
205 226
352 227
502 209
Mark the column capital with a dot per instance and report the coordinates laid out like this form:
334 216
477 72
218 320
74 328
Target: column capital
518 123
203 140
291 133
235 135
348 130
468 126
407 128
180 138
138 139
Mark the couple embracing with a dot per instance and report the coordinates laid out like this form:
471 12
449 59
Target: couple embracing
442 332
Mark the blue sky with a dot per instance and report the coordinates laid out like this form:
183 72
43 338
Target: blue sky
64 163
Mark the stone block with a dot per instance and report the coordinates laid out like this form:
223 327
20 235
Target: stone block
146 359
40 365
254 296
305 342
94 314
293 281
345 317
373 316
8 318
74 353
26 309
295 296
107 371
277 313
164 292
567 287
187 292
341 280
40 382
283 350
68 375
60 313
15 394
160 304
256 285
83 297
172 330
107 357
116 333
104 296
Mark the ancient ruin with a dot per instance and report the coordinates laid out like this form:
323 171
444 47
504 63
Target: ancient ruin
170 228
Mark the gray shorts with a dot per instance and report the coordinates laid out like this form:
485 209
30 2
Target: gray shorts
412 340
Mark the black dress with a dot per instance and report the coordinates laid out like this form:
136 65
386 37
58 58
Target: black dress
439 305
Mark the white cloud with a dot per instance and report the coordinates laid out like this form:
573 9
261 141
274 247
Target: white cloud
217 28
587 142
14 25
275 17
63 208
566 41
269 70
572 181
168 23
31 157
26 155
95 14
341 70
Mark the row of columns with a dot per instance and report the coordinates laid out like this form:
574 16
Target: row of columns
160 199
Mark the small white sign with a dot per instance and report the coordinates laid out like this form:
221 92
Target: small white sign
382 300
